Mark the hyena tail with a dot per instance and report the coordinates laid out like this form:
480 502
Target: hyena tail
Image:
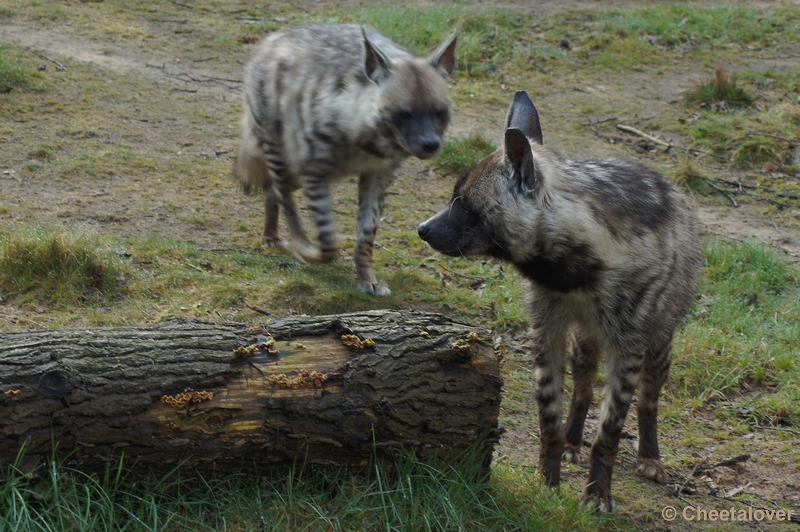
250 167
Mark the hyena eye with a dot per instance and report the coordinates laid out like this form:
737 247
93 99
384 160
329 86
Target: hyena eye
403 114
461 204
442 115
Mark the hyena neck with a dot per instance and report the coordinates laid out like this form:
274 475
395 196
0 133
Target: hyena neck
573 267
561 256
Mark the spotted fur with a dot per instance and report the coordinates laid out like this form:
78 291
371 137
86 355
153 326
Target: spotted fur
609 253
326 101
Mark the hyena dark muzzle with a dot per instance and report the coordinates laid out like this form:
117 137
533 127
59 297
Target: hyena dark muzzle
465 226
421 131
444 231
609 254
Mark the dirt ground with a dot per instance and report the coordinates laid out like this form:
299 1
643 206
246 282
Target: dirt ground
171 126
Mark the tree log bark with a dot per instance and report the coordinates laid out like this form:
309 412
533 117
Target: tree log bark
428 385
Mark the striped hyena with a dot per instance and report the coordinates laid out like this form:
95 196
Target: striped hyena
326 101
608 249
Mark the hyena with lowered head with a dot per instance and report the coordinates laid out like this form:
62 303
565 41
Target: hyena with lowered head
608 250
326 101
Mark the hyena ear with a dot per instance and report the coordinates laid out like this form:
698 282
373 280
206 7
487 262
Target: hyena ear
522 115
444 58
377 65
518 155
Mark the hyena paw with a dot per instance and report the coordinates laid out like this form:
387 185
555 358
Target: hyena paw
375 289
572 454
599 503
306 252
273 242
651 468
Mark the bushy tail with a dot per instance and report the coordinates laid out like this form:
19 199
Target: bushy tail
249 167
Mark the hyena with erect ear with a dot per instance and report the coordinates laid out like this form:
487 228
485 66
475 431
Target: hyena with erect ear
609 252
326 101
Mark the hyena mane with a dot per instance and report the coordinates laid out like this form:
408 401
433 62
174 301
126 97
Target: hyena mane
609 253
325 101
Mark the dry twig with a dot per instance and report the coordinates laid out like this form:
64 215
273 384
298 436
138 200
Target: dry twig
634 131
727 195
259 310
59 65
593 123
792 142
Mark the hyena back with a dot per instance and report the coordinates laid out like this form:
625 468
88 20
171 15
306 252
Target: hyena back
326 101
608 250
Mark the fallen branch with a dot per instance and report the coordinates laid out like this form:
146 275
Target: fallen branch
59 65
210 79
258 310
743 189
634 131
727 195
593 124
695 150
792 142
735 491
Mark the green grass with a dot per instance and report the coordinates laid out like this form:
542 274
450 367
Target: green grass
459 155
744 336
676 24
484 39
410 495
55 267
17 72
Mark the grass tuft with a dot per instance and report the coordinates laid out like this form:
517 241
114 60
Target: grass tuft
459 155
719 91
59 268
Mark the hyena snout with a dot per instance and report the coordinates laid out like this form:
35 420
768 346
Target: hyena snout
431 144
421 134
441 234
425 146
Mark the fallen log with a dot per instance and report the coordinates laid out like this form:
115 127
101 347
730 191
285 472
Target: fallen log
304 391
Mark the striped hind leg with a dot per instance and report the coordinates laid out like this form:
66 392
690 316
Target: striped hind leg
655 371
318 193
252 171
585 356
299 247
621 374
270 236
